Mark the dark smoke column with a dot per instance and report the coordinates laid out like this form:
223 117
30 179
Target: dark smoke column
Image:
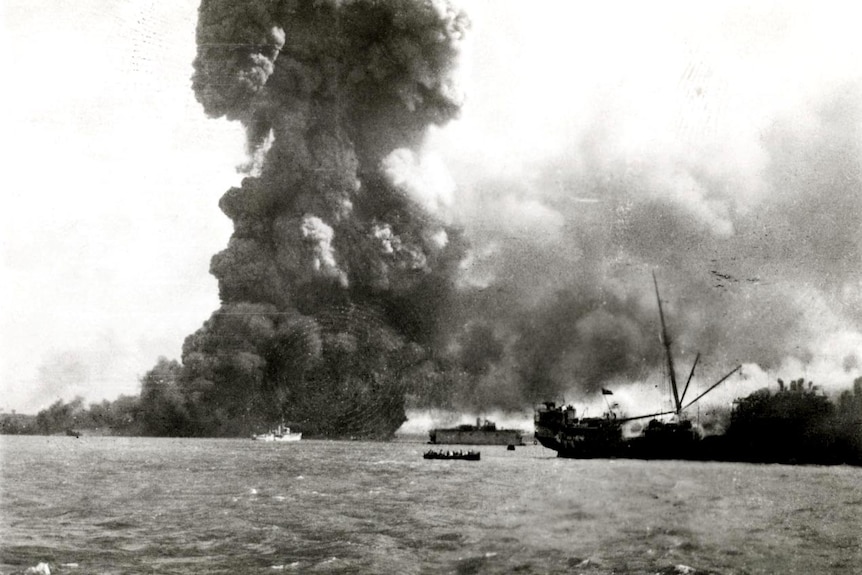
333 276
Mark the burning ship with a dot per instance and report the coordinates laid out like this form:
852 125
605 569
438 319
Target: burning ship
483 433
796 425
560 429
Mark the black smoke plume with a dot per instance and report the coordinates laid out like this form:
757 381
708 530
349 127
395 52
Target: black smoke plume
331 283
349 291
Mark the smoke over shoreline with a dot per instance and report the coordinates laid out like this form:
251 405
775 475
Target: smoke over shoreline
758 266
360 280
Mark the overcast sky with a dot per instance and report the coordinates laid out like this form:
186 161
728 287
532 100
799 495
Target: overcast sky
746 119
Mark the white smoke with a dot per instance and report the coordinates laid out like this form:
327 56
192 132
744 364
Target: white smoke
425 179
319 236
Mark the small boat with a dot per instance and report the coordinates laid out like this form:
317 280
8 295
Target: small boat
280 433
465 455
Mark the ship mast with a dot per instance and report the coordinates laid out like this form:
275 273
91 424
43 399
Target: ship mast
678 407
666 341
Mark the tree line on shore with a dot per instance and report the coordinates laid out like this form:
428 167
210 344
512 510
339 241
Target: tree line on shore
799 423
798 416
151 413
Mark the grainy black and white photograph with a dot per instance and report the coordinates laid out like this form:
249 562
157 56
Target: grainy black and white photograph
431 286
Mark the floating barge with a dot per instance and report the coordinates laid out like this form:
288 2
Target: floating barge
483 433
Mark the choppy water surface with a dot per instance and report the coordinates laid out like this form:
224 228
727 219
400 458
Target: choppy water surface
141 505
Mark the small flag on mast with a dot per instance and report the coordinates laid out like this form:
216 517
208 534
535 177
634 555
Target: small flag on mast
607 391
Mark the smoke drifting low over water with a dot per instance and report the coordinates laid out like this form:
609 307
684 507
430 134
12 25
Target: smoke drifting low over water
114 505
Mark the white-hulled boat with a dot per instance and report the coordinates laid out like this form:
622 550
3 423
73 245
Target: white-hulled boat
280 433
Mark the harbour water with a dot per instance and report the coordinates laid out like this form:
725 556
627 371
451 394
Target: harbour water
143 505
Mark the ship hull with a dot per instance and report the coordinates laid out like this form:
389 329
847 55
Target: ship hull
574 449
632 449
590 438
280 438
587 441
659 442
476 437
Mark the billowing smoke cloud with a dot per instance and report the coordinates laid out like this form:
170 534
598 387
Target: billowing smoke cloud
759 263
340 258
357 275
723 152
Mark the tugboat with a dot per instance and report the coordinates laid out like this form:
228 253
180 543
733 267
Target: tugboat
280 433
560 429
